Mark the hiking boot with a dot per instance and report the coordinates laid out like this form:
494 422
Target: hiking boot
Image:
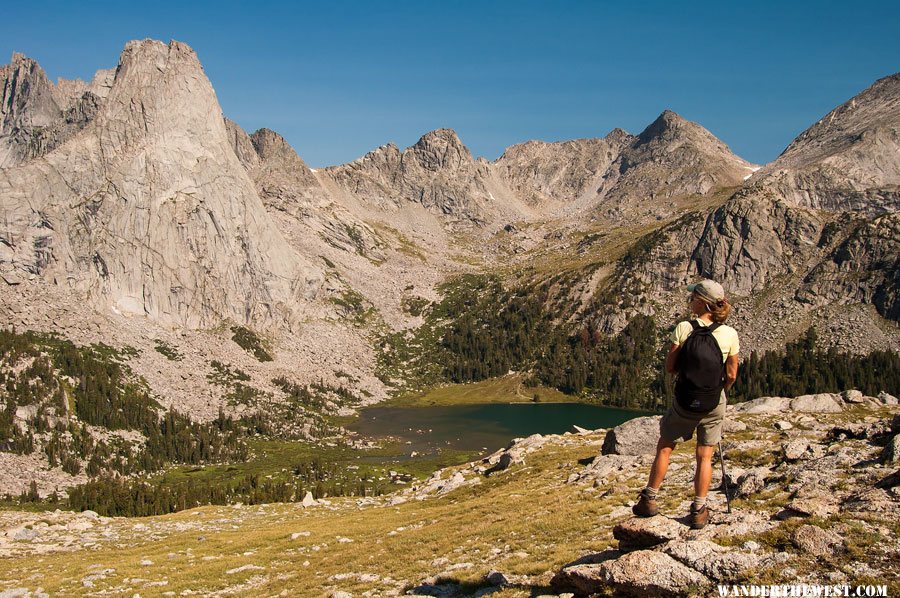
699 517
646 506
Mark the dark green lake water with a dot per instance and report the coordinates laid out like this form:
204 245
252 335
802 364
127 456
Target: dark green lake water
481 428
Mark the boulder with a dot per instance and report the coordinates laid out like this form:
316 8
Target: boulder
764 405
733 425
529 443
891 453
714 561
818 403
852 396
752 481
816 541
795 449
638 436
887 399
455 481
783 425
606 465
497 578
79 525
501 463
25 534
644 532
640 573
308 499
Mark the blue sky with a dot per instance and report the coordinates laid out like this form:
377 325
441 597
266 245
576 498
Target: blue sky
339 78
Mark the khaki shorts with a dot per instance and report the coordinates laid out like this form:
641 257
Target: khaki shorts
678 425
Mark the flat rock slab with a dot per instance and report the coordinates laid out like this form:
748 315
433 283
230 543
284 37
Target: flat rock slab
811 500
817 403
639 573
816 541
764 405
606 465
714 561
637 533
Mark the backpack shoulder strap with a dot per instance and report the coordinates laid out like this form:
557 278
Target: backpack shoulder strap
694 324
713 326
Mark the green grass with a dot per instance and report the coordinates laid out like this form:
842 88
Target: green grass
249 341
276 458
167 350
357 309
508 389
404 244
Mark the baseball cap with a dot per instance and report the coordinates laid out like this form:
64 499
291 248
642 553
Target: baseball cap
708 289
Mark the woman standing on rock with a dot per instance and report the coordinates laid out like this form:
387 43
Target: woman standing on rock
704 357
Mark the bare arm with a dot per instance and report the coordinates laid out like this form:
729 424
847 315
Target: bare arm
731 367
672 357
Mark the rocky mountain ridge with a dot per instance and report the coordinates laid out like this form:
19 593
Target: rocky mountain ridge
170 221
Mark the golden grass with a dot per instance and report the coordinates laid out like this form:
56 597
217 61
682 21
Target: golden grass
536 521
524 521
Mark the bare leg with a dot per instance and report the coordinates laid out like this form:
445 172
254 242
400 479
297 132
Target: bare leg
703 475
660 463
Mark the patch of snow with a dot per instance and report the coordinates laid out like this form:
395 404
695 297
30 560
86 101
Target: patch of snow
752 169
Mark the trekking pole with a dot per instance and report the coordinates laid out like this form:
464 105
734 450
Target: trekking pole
724 477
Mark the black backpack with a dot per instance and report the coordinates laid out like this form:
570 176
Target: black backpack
700 369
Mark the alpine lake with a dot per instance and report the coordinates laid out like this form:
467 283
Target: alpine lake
479 428
416 434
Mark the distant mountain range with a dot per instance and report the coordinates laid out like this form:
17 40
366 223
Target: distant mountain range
133 211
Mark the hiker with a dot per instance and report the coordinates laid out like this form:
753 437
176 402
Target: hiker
704 358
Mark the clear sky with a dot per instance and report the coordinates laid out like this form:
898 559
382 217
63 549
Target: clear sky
338 78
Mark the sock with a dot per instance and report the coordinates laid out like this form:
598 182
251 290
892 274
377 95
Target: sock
699 502
650 492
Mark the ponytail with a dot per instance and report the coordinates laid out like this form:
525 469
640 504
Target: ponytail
719 311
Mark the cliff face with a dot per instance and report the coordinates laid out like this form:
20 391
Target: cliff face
147 210
848 162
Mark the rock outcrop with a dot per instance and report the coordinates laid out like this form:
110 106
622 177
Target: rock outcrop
438 172
821 494
635 437
798 231
147 210
847 162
